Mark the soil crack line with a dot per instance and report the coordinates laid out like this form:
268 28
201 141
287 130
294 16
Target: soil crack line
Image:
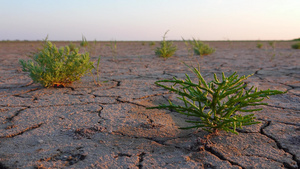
279 145
23 131
141 159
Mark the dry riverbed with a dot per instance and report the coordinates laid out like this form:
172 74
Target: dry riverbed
108 126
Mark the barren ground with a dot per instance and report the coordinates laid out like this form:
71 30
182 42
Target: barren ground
108 126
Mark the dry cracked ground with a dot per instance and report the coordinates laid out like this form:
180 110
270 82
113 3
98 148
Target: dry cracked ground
108 126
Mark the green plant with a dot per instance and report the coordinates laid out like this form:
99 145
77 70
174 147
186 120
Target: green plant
188 46
296 46
201 48
84 42
272 44
72 47
216 103
152 43
113 48
143 43
259 45
166 49
57 67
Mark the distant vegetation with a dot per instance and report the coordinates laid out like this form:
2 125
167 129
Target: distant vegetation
296 46
201 48
166 49
272 44
84 42
298 39
259 45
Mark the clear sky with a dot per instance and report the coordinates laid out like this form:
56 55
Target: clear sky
149 19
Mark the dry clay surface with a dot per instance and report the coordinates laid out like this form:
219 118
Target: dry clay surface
108 126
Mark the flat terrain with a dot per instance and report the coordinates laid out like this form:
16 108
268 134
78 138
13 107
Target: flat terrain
108 126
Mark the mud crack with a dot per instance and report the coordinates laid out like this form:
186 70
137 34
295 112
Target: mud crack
23 131
279 146
141 159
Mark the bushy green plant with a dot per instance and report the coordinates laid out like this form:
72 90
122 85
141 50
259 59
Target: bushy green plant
152 43
216 103
72 47
201 48
166 49
259 45
84 42
296 46
57 67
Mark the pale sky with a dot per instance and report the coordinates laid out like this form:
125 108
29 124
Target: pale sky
149 19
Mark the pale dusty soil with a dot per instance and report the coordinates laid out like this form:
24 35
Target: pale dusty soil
108 126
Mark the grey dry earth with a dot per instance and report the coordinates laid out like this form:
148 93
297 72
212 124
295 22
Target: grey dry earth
108 126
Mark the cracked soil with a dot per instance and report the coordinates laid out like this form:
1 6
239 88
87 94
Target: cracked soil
88 126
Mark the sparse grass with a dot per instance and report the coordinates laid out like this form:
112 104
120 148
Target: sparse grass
97 71
296 46
216 104
166 49
57 67
113 47
201 48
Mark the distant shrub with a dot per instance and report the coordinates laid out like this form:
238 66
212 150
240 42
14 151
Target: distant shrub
296 46
72 47
166 49
57 67
272 44
259 45
188 46
143 43
201 48
84 42
152 43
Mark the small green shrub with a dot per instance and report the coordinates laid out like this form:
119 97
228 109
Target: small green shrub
72 47
216 103
259 45
201 48
84 42
272 44
166 49
57 67
152 43
296 46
